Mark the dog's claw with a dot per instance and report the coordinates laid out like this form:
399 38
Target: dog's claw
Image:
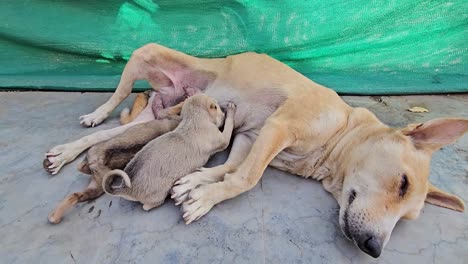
197 205
58 168
93 119
49 154
179 202
58 156
184 185
181 181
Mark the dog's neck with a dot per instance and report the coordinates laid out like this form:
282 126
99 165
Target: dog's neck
359 121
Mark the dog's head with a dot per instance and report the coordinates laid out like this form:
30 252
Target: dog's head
201 105
384 177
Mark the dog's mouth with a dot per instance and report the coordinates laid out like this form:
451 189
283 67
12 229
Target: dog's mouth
345 225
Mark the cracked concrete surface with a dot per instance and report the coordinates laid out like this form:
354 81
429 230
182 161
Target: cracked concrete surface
284 219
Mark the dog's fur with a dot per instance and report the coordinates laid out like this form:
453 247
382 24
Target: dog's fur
283 119
111 154
150 175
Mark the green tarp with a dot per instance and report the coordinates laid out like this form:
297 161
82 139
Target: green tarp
355 47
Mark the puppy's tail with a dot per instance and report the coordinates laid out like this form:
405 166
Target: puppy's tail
123 189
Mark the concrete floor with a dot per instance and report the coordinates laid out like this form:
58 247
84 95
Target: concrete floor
284 219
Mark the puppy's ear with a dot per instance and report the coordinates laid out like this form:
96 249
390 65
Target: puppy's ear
436 133
440 198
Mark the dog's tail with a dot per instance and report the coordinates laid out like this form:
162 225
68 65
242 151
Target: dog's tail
123 190
141 100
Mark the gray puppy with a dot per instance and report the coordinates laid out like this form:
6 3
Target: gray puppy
150 175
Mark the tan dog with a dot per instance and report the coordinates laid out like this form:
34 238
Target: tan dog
149 176
283 119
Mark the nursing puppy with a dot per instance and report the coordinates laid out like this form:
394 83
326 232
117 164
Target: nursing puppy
112 154
149 176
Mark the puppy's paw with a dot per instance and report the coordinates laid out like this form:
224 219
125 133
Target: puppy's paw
148 207
161 114
185 184
93 119
231 108
54 218
197 206
58 156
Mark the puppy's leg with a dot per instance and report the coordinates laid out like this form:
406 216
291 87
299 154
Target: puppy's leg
141 100
170 111
155 200
273 138
228 127
240 149
93 191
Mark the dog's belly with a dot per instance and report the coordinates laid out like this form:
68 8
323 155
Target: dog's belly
309 165
253 106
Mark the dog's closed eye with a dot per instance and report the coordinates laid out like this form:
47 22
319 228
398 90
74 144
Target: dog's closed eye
404 184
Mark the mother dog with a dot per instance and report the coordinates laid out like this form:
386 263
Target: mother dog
376 173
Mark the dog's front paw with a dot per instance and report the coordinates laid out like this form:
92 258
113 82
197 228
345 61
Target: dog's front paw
93 119
198 204
184 185
58 156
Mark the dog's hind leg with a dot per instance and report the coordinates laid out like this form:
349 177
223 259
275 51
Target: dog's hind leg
161 67
132 72
60 155
93 191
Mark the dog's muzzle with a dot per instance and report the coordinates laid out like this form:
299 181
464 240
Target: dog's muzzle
370 244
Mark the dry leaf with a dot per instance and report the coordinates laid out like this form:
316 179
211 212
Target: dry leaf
418 109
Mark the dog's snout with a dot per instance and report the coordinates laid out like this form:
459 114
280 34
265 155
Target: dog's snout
370 244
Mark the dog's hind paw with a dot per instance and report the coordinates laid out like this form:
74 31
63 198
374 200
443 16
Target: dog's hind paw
93 119
58 156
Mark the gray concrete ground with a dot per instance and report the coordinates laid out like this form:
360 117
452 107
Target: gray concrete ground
284 219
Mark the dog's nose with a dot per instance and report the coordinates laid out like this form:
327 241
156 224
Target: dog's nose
371 245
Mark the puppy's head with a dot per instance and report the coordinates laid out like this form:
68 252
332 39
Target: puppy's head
385 178
202 106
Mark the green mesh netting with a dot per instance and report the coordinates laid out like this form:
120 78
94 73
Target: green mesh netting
358 47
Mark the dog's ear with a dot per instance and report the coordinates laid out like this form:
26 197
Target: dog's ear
434 134
440 198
